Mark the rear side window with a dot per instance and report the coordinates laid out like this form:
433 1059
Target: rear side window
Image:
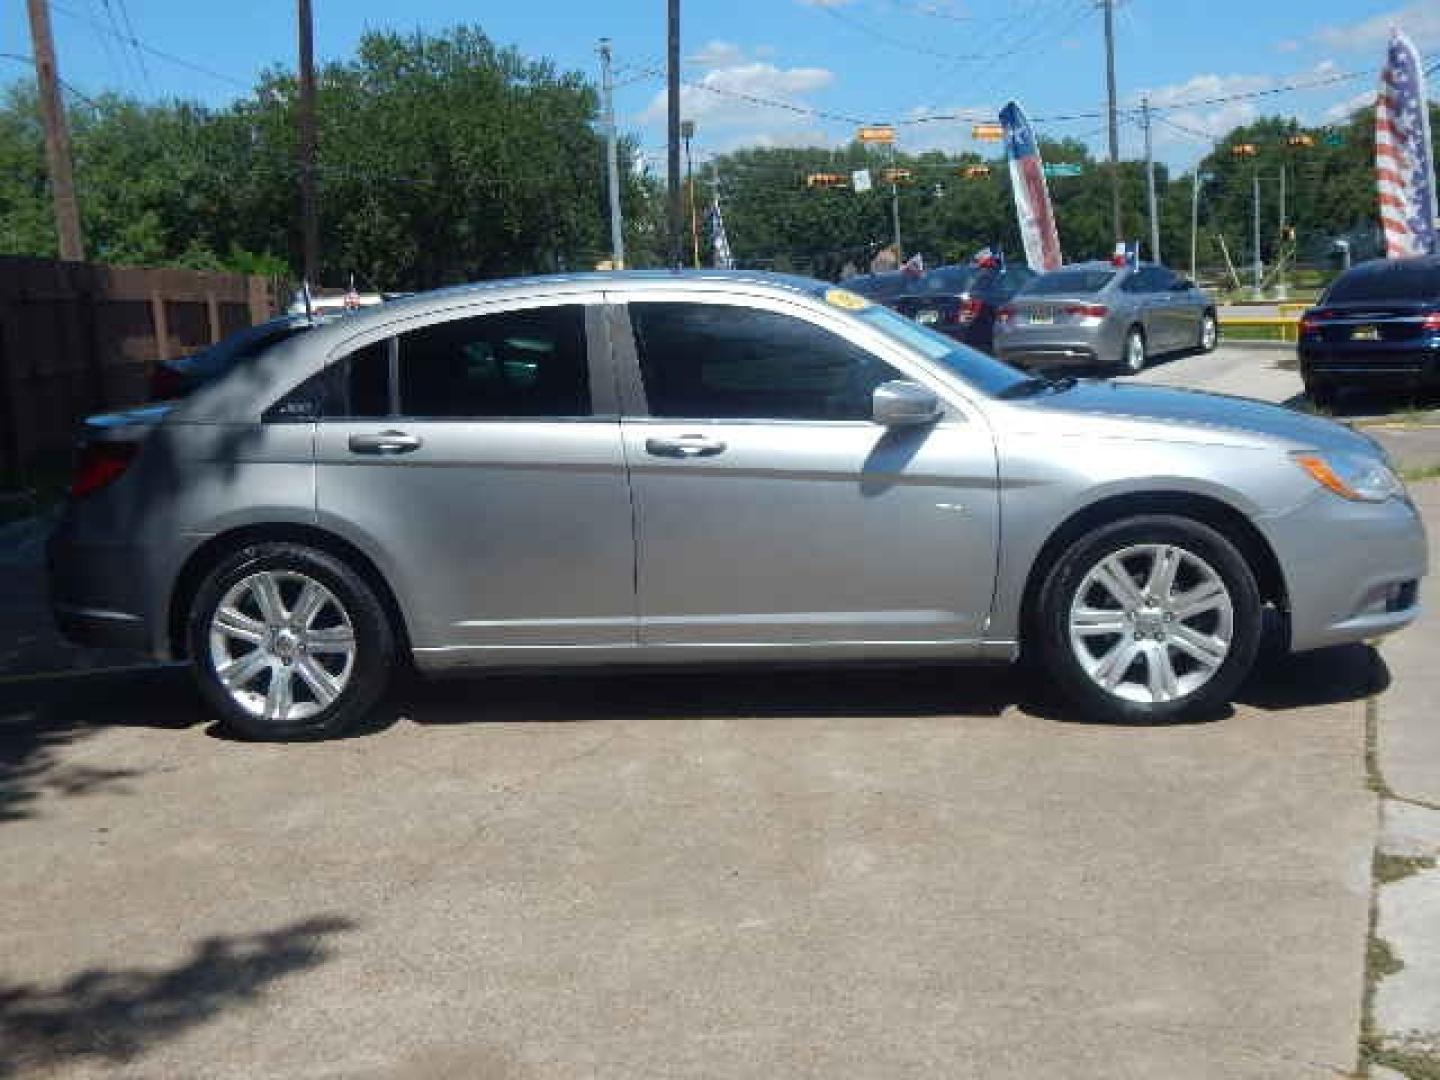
1393 281
715 361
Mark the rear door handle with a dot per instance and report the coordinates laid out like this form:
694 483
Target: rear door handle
386 442
685 446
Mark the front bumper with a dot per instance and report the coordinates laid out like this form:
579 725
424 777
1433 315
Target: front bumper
1352 569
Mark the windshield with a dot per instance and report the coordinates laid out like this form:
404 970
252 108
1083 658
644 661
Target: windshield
948 279
985 373
1397 281
1069 281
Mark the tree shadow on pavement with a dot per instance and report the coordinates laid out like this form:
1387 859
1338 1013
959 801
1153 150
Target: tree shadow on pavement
40 718
114 1016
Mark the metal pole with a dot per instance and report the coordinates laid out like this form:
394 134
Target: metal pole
1281 289
57 135
1150 182
687 129
1194 218
1109 6
895 209
1255 239
309 221
676 209
612 162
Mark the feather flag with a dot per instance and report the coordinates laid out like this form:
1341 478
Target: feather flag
1032 197
1404 165
724 260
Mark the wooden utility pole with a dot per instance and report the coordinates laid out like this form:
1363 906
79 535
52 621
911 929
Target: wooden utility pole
1109 7
57 134
676 213
309 222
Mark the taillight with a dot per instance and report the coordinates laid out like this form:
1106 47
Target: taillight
1088 311
166 384
1312 321
969 310
1432 322
101 464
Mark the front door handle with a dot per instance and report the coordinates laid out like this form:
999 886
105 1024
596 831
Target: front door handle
386 442
685 446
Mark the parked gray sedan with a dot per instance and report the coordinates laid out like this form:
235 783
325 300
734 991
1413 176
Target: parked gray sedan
708 467
1096 314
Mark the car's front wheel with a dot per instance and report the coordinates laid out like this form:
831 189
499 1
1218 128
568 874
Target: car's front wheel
1132 355
1150 619
289 642
1209 333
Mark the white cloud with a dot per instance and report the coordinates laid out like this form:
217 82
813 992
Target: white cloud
1421 21
1211 121
1201 87
950 136
721 100
1341 110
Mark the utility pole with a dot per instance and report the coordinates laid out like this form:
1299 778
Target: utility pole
1194 218
1255 181
1150 182
1109 6
57 135
612 160
895 209
309 222
1281 289
677 210
687 132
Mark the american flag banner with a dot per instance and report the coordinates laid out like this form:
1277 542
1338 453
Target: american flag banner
724 260
1032 197
1404 163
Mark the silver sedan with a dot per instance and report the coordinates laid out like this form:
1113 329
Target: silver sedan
1098 315
662 468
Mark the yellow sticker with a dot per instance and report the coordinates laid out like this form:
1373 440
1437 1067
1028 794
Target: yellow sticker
845 299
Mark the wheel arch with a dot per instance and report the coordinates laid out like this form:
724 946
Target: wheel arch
209 554
1209 510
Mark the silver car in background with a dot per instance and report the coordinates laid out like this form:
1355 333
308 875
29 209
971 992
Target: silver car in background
1096 314
672 468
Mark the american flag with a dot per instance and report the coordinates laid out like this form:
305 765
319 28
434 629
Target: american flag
1404 167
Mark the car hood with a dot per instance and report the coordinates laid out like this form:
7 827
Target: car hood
1124 407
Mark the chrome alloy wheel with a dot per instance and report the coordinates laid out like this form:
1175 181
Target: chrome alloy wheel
282 645
1209 333
1152 623
1134 352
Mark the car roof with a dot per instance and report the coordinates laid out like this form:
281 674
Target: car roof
1382 265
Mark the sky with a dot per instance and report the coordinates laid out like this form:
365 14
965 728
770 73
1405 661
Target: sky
834 62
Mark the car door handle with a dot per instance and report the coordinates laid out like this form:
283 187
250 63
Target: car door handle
386 442
685 446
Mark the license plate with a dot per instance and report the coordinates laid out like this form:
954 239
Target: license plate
927 318
1042 318
1365 333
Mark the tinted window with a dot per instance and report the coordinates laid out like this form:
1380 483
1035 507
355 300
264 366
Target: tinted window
1147 279
510 364
1069 281
1419 280
880 287
711 360
954 279
983 372
365 377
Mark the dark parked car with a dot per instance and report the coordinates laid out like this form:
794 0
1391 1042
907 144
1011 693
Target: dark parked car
1378 325
884 288
961 301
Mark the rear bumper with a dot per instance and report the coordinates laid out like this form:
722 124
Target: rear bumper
1384 365
1047 355
96 592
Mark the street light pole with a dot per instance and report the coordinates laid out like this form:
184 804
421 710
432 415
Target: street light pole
895 208
687 132
1194 218
676 210
612 163
1255 182
1150 182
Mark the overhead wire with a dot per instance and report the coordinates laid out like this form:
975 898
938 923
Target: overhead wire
159 54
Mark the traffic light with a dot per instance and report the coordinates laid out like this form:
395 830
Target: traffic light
896 176
825 180
1244 149
974 172
1301 140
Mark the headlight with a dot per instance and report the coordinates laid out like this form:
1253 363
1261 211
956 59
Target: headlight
1358 477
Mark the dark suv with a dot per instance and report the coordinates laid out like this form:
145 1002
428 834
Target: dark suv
1377 326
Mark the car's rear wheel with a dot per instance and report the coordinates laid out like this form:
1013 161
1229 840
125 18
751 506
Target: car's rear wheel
1149 620
1132 356
1209 332
1322 394
288 642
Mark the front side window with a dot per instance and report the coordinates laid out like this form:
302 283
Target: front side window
716 361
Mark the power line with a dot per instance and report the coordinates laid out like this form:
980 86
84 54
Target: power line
134 44
159 54
29 61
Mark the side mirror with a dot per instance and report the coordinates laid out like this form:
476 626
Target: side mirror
900 403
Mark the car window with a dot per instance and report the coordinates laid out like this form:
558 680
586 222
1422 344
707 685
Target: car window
952 279
723 362
1069 281
366 382
1399 280
508 364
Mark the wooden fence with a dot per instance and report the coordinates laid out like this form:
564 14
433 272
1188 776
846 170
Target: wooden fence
80 338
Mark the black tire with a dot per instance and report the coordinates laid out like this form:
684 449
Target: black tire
1209 333
1051 628
373 641
1322 394
1128 352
